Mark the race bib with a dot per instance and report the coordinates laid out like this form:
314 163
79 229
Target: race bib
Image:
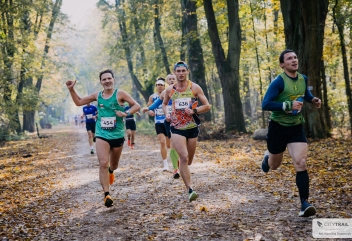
108 123
159 111
90 116
169 109
182 103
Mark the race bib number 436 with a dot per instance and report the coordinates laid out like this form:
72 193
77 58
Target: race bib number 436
182 103
108 123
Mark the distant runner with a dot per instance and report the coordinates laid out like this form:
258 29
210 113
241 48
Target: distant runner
159 119
170 79
90 113
130 123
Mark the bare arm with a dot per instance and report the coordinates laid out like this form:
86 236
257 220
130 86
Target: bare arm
122 97
76 98
166 100
200 94
150 101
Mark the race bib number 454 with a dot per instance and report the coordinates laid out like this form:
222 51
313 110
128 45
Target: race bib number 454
108 123
183 103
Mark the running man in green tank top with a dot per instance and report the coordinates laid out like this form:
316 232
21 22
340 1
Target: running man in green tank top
284 98
109 126
184 120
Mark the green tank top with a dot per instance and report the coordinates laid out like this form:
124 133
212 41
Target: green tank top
292 90
109 125
181 100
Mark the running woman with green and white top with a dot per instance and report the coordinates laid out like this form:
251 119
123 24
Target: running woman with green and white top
109 127
184 120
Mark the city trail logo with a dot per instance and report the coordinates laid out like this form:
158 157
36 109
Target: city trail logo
332 228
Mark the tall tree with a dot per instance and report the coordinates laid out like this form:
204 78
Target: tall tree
158 37
228 66
194 48
304 31
339 20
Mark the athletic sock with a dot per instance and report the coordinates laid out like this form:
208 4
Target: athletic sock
302 182
165 163
106 193
92 147
174 158
190 190
111 172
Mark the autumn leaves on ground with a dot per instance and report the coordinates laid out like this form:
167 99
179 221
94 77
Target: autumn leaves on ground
49 190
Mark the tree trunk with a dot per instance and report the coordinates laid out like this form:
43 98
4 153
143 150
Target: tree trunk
258 64
339 21
304 31
55 13
159 38
128 54
326 108
194 49
247 92
228 68
183 46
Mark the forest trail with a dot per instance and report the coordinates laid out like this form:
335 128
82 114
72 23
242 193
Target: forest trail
237 201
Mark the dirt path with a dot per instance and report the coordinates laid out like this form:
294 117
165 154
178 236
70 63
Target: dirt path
150 204
55 193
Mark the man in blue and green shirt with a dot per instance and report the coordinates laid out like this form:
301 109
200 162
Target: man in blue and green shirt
284 98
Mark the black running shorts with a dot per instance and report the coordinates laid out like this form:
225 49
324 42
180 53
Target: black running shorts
114 142
90 126
160 128
167 128
130 124
189 134
279 136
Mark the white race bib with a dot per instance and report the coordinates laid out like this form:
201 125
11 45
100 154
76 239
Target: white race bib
169 109
108 123
159 111
90 116
183 103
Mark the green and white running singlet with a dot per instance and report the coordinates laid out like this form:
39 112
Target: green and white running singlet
109 125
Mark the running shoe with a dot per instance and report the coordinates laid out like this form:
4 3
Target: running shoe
108 202
176 174
265 164
111 178
307 210
132 146
192 196
92 151
129 142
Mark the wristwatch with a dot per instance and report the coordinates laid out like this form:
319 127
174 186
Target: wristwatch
195 111
127 112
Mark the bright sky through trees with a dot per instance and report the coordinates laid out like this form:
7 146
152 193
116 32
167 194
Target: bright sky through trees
78 10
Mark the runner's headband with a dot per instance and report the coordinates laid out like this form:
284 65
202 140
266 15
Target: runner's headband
180 64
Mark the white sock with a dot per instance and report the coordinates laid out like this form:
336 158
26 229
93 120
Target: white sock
92 147
165 163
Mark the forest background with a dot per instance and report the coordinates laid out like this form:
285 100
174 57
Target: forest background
232 48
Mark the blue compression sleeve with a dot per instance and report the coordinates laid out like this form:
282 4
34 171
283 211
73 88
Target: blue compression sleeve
155 104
